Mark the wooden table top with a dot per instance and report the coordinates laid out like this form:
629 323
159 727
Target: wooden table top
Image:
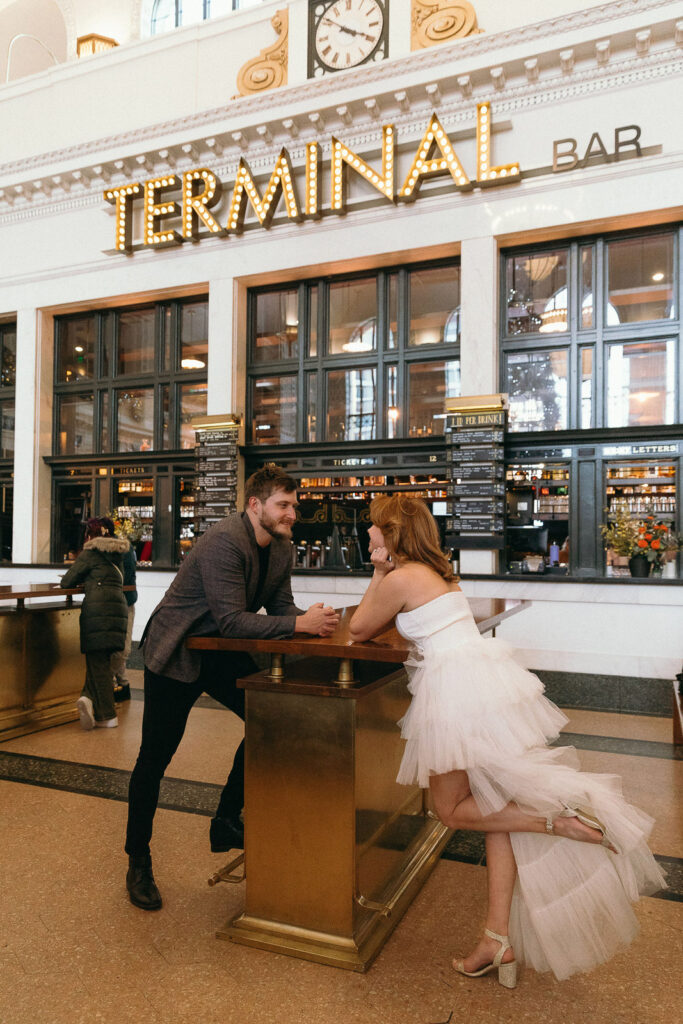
388 646
19 591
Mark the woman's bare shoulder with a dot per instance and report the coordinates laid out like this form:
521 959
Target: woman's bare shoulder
419 584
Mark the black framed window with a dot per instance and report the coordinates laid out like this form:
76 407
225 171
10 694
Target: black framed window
8 372
591 332
168 14
378 351
130 380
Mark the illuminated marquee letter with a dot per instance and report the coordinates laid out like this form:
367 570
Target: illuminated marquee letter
123 198
155 210
487 175
196 201
311 207
425 165
280 184
343 157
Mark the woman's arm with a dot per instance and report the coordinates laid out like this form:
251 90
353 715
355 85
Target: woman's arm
77 573
383 599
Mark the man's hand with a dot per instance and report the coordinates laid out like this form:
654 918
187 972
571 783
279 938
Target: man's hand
320 620
381 559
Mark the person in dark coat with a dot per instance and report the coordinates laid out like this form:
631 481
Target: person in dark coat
104 618
119 667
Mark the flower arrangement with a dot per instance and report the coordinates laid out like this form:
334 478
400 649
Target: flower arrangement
647 537
128 526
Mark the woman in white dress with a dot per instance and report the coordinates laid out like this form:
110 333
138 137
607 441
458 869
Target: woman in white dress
566 854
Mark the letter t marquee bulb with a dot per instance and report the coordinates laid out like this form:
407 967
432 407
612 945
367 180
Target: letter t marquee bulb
123 198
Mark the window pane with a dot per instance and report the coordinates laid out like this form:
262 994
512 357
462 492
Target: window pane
587 286
76 424
76 349
168 338
194 336
312 407
135 431
392 425
537 385
136 341
163 16
217 8
8 368
353 316
277 326
434 306
7 430
640 275
537 292
190 11
186 492
313 322
192 403
586 396
165 399
351 405
640 384
273 401
104 421
392 339
430 388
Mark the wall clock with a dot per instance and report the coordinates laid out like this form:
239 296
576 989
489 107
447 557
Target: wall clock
344 34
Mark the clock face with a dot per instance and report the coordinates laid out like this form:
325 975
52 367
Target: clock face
347 33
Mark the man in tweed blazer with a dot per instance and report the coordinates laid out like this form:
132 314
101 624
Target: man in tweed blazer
239 566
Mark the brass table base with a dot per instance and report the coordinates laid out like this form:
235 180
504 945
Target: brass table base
356 953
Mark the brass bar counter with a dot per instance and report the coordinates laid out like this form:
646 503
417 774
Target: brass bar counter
42 668
335 849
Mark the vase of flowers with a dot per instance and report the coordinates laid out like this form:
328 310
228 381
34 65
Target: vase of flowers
646 542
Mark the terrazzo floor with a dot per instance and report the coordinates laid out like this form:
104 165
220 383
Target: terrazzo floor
74 951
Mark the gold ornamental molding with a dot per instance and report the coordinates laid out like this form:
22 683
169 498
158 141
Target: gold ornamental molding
440 21
269 69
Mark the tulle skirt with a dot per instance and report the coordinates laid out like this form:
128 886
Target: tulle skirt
474 708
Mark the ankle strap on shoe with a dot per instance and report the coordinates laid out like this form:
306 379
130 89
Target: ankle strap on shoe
503 939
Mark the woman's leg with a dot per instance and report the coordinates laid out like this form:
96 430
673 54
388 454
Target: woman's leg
99 685
501 875
457 808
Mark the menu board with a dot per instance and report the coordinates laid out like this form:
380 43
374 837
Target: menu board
216 468
475 465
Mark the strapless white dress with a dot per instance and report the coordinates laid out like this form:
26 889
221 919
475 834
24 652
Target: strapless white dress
474 708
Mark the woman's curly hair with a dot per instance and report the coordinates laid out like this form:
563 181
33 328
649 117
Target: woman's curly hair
410 531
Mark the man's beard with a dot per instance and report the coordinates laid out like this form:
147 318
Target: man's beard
274 526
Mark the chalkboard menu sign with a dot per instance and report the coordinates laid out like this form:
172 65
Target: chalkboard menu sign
475 468
216 468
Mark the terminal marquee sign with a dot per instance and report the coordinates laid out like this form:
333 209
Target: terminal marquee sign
200 190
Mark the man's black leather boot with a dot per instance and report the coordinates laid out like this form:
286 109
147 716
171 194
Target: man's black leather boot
226 834
142 889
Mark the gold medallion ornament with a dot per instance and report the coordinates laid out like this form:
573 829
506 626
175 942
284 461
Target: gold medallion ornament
440 21
269 69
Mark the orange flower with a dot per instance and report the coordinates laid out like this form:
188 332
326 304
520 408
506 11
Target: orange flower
648 536
641 529
656 544
642 543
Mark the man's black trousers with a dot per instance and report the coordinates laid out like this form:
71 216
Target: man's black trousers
168 703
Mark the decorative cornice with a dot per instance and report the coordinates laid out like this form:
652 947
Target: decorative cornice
52 193
317 90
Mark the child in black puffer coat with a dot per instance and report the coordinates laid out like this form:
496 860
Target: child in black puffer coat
104 618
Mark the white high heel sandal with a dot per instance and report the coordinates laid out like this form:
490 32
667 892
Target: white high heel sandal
586 818
507 973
